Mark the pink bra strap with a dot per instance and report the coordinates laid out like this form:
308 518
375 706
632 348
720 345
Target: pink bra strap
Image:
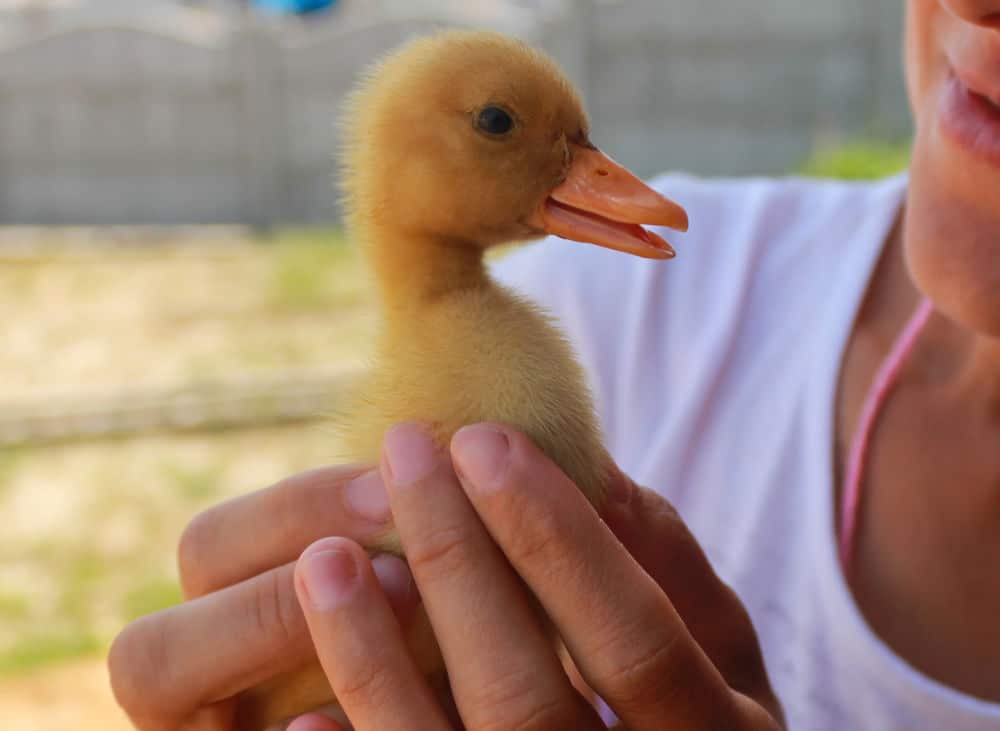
884 381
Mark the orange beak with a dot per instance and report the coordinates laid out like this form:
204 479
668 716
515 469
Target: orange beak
600 202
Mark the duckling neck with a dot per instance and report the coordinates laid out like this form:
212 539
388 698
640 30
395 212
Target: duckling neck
413 270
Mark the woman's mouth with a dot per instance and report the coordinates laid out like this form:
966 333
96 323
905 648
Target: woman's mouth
971 119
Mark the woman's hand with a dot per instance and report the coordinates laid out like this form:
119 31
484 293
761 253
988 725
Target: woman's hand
184 667
643 616
697 661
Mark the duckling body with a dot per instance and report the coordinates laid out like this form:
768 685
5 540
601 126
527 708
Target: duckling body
454 144
481 353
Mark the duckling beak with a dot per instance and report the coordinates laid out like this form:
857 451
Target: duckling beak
600 202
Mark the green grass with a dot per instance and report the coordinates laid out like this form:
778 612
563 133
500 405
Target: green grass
69 585
14 607
8 463
81 576
96 524
150 596
39 650
194 484
309 270
860 160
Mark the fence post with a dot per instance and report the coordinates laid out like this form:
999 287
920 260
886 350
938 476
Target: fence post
257 57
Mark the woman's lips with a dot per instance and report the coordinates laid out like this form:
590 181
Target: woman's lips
971 120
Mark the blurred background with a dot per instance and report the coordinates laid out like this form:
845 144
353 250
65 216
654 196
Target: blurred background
178 304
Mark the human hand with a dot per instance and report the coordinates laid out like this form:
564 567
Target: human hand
645 619
188 666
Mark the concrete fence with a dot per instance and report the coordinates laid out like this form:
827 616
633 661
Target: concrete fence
122 124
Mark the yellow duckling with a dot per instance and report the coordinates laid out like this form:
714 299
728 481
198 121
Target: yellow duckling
454 144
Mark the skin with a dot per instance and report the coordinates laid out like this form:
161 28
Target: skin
928 542
646 621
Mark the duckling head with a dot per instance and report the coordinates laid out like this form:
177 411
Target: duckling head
476 139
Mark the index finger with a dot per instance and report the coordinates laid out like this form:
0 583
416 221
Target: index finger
622 631
166 666
253 533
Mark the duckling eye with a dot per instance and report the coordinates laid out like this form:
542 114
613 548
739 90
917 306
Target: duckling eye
494 121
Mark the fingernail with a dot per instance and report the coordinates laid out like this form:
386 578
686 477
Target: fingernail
394 576
329 577
365 496
309 722
481 454
409 453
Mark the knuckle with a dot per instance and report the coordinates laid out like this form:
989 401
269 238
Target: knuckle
135 661
649 675
291 511
516 701
743 663
276 611
662 513
527 715
443 553
540 540
194 546
300 510
370 684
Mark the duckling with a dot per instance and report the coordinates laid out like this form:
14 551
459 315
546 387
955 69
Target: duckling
454 144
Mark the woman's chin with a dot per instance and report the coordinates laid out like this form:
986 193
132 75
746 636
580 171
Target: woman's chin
959 279
952 247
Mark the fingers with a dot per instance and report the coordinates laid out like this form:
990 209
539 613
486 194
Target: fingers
168 666
510 675
253 533
653 532
636 653
360 643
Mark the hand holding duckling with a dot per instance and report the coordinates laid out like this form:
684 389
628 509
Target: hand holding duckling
478 530
647 621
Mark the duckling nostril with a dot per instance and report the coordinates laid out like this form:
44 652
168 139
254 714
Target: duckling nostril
602 172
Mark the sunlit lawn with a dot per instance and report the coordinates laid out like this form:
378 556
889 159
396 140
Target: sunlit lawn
89 529
102 317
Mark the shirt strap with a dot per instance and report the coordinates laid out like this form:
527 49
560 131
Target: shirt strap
882 385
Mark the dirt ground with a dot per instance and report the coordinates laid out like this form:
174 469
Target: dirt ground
74 696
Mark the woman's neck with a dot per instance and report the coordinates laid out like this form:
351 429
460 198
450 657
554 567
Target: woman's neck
963 362
982 373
